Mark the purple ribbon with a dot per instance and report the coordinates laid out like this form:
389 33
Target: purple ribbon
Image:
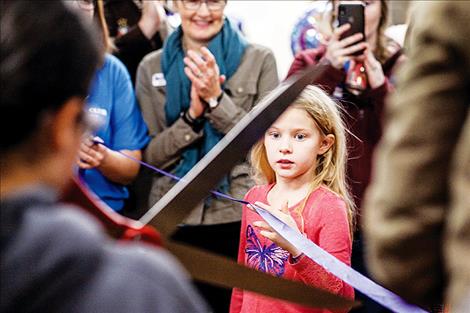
344 272
360 282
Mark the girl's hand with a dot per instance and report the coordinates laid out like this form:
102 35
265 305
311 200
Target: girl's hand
91 154
339 51
271 234
204 73
375 74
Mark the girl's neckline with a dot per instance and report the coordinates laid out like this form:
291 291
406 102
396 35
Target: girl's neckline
291 207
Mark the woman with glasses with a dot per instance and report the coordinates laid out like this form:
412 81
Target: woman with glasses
113 104
192 92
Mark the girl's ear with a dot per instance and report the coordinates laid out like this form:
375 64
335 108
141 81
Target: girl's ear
326 143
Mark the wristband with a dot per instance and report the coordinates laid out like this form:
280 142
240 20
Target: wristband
296 259
196 124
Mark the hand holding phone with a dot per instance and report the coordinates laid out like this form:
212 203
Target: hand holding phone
352 13
347 41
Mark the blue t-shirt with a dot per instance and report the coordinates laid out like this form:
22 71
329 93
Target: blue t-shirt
112 98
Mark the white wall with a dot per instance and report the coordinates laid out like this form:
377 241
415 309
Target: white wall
270 23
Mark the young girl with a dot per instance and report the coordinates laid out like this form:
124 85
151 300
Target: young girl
302 159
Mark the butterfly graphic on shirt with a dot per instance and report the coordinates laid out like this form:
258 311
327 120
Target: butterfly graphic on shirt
270 259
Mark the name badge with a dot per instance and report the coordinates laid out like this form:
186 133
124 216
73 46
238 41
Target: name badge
98 111
158 80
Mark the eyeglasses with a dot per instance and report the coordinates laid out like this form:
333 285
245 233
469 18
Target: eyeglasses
212 5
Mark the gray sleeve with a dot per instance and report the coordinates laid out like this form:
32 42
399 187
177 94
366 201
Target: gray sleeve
143 92
269 78
136 278
165 147
143 279
167 143
60 260
228 112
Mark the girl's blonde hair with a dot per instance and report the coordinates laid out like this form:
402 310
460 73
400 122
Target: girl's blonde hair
331 166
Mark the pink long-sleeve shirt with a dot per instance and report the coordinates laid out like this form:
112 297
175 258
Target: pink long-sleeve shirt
324 221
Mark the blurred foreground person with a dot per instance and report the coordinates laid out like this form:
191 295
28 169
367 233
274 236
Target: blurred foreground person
54 258
418 207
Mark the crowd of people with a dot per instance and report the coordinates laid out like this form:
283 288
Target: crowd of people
370 165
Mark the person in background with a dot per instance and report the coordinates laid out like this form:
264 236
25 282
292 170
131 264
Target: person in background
361 83
54 257
122 129
302 162
192 92
364 108
137 28
417 209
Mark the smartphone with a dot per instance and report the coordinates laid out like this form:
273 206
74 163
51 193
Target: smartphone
352 12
